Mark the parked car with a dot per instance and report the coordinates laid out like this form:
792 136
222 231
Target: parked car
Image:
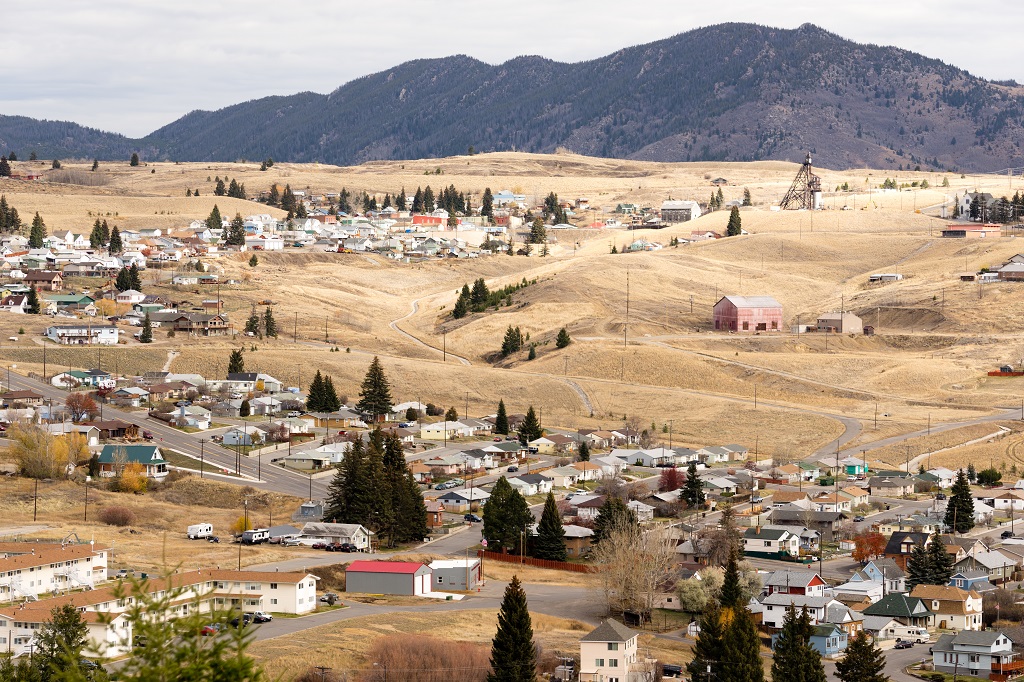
511 437
904 644
241 621
858 519
261 617
513 469
472 518
319 545
940 496
326 597
146 435
441 486
497 439
347 547
1006 534
210 629
294 413
213 538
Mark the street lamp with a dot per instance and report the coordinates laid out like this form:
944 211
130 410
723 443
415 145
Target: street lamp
202 455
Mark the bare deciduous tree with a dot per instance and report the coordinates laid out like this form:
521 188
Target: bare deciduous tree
633 562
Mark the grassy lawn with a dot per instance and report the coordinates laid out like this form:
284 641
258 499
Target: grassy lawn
322 607
178 459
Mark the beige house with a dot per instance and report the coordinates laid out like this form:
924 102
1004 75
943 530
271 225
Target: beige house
31 569
857 496
610 653
952 608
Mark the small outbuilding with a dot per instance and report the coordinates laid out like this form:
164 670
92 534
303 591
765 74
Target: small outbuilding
455 574
409 578
840 323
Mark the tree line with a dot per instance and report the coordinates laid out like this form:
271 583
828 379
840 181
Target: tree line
480 297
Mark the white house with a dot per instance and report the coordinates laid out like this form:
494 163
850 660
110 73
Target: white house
246 437
130 296
352 533
978 654
80 335
770 542
445 430
775 607
610 653
644 512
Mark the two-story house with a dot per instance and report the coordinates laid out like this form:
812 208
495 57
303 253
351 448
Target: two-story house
774 607
951 607
787 581
609 654
978 654
770 542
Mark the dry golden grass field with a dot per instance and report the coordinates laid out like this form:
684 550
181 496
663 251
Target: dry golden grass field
937 337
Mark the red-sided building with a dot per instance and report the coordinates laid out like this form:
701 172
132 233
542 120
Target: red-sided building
748 314
428 220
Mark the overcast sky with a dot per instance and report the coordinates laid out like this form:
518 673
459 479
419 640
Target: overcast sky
131 66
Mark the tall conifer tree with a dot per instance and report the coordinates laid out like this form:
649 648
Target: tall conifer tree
550 542
513 654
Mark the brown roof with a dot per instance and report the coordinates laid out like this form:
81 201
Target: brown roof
854 491
35 554
952 600
788 496
18 395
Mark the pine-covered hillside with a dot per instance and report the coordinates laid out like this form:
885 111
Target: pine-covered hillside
728 92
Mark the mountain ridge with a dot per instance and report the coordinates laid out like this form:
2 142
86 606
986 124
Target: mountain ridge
728 92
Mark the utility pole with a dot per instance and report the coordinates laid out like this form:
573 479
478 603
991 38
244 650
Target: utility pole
295 329
202 455
466 413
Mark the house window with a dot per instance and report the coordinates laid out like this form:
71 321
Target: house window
273 586
440 580
613 646
974 658
767 543
613 663
273 602
599 662
746 326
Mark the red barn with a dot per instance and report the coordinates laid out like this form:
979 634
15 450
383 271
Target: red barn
748 314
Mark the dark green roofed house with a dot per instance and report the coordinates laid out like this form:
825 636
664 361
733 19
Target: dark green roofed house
901 608
113 457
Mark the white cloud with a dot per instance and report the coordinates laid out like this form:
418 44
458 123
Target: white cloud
133 66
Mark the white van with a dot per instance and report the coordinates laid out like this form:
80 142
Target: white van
200 531
911 632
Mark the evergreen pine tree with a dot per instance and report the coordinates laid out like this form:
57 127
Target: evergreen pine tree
38 233
253 261
480 293
972 473
95 164
940 562
506 516
731 594
219 189
612 514
918 567
532 355
123 282
461 308
105 232
734 228
115 245
214 221
693 491
134 160
408 520
147 330
550 542
960 506
863 662
5 168
375 394
742 648
584 453
315 394
400 200
795 659
135 277
96 236
417 201
236 363
513 654
501 420
746 197
529 428
428 200
708 650
245 409
12 156
349 498
252 324
381 515
562 340
236 232
269 323
32 304
487 209
331 401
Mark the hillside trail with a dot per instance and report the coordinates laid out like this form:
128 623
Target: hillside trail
171 354
415 308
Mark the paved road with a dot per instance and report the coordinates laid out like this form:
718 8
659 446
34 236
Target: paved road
257 471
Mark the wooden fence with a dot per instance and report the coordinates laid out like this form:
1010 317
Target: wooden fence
538 563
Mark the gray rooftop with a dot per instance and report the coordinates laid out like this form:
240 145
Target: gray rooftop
610 631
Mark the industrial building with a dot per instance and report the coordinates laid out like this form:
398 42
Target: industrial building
748 314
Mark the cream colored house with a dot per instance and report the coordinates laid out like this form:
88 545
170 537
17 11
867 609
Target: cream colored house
952 608
609 654
29 570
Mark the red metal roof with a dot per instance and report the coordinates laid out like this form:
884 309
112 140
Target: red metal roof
384 566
